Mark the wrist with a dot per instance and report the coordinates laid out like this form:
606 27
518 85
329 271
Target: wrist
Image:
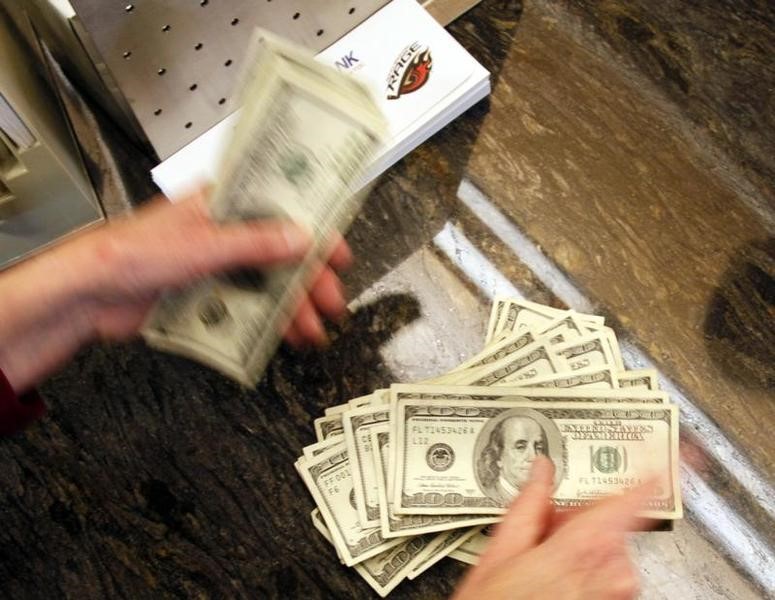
62 283
48 318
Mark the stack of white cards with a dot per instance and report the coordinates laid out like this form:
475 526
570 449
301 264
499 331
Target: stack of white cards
408 475
420 77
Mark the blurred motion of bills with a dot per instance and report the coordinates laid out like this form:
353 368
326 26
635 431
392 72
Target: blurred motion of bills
306 135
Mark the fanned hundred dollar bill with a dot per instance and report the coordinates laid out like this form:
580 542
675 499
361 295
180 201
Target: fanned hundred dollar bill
440 547
394 525
638 378
329 426
532 361
601 376
329 479
385 571
472 457
470 550
358 423
420 391
516 314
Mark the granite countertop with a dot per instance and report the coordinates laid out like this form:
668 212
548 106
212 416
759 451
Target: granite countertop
154 477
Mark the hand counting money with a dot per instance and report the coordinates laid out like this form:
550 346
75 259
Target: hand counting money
430 465
306 135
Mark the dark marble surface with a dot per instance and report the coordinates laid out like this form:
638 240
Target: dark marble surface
153 477
714 59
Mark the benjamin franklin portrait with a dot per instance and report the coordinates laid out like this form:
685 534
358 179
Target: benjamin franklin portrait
507 447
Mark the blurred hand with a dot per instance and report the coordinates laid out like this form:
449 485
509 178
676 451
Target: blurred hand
102 283
166 245
538 552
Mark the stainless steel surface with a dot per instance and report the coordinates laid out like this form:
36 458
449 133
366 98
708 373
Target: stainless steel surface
176 61
446 11
45 193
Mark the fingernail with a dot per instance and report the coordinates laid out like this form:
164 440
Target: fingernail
341 309
297 240
347 260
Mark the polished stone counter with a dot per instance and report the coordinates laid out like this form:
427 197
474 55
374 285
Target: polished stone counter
581 182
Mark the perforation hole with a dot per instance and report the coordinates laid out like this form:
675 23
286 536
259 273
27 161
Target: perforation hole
128 54
235 21
129 7
227 63
157 112
199 46
188 125
204 2
320 32
166 28
161 71
193 86
222 101
296 16
351 11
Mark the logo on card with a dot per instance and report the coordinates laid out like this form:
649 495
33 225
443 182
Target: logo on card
410 71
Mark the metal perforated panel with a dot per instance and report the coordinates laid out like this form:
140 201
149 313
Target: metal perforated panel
175 61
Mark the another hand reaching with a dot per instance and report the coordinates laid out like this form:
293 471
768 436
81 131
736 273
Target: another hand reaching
538 552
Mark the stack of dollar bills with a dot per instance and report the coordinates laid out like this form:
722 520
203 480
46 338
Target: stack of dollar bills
306 135
410 474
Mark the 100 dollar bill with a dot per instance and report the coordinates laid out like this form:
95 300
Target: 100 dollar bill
385 571
472 457
329 479
516 314
402 525
421 391
358 424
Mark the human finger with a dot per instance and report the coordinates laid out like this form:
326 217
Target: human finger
287 326
308 324
259 244
341 256
327 294
121 321
293 336
199 252
136 259
220 246
525 524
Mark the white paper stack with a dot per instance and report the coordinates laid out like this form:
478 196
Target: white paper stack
422 77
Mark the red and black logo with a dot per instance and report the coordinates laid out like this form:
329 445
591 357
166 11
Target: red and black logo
410 71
